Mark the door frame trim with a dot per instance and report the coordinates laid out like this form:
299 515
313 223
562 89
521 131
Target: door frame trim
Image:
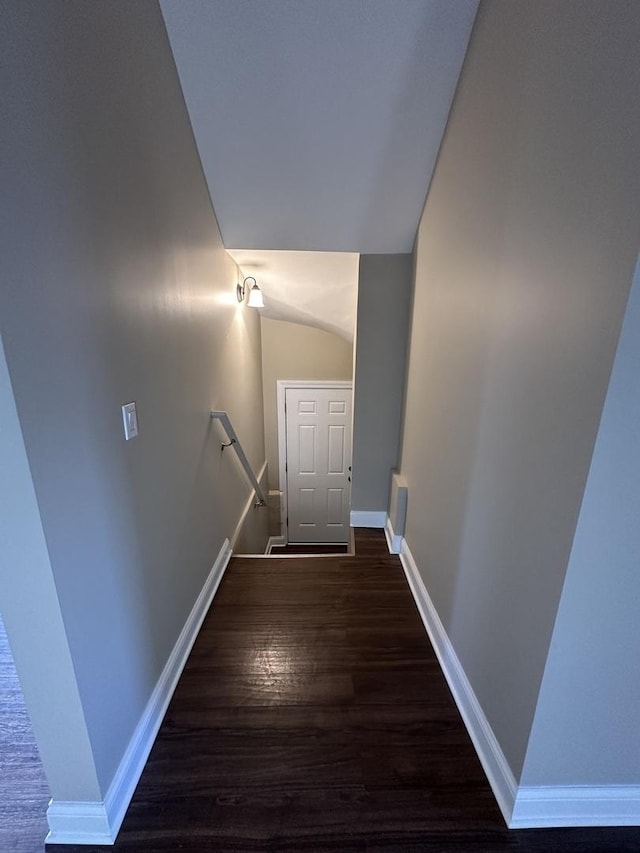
281 390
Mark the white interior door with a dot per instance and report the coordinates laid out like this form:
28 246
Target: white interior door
318 450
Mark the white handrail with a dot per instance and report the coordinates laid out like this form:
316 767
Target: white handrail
234 442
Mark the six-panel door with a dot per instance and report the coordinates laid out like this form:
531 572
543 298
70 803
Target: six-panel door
318 438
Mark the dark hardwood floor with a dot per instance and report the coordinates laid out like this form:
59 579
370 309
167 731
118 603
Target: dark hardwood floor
23 788
309 549
313 716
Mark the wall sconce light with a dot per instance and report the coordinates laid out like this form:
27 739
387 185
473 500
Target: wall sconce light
255 294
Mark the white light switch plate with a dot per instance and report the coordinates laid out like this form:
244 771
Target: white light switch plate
130 421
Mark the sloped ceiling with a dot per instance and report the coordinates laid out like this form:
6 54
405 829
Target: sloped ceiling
318 121
314 288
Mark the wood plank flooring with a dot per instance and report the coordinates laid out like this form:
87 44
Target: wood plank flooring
313 716
23 788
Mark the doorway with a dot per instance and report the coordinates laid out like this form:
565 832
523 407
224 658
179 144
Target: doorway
314 448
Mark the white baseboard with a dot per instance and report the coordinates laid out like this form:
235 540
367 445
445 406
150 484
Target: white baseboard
99 823
576 805
251 500
524 807
394 541
489 752
273 541
78 823
366 518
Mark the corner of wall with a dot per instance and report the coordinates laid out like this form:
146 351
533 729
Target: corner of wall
492 758
522 806
99 822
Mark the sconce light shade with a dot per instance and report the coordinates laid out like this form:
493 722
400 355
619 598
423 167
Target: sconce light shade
255 297
255 294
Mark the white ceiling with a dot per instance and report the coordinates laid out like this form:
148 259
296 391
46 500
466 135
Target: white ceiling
318 121
315 288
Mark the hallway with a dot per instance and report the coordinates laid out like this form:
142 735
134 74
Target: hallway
313 716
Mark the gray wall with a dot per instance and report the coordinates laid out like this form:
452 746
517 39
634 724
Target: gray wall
33 621
252 533
293 351
116 287
588 716
525 255
384 304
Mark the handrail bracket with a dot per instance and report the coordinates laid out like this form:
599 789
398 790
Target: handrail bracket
234 442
